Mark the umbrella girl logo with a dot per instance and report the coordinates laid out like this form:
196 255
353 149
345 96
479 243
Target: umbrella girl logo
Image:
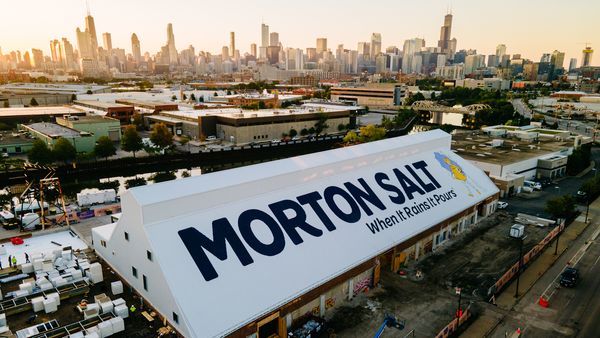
457 173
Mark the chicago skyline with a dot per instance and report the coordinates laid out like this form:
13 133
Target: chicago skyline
472 31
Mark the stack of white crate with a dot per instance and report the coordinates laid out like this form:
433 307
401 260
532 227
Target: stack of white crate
95 273
106 328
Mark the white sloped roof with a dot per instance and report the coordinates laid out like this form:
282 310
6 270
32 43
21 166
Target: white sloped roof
278 269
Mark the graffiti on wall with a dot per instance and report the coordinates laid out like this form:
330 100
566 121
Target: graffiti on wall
329 303
362 284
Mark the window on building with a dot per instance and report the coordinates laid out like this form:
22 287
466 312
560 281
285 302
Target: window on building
126 236
149 255
134 272
103 243
175 318
145 280
18 150
472 219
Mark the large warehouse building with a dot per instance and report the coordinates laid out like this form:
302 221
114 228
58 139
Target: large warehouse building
247 252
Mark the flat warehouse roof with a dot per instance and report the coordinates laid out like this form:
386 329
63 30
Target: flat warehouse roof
100 104
283 228
53 130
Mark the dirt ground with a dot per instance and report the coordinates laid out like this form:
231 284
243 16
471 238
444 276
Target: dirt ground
472 261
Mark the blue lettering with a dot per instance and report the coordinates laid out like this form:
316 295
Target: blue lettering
330 193
245 225
408 186
399 198
290 224
364 195
196 243
311 199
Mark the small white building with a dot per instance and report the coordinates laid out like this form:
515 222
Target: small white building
246 252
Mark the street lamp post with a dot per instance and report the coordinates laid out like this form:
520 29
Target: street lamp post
518 232
458 310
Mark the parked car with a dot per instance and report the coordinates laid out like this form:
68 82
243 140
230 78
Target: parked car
533 185
275 141
569 278
211 138
502 205
581 196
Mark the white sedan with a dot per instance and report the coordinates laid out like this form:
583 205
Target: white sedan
502 205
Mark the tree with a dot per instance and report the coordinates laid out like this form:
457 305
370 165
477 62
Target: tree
89 92
33 102
561 206
578 160
304 132
105 147
261 105
138 121
184 97
387 123
161 136
201 99
341 127
351 137
73 97
183 140
40 153
63 150
173 98
215 94
371 133
293 132
321 123
228 92
414 98
131 140
193 97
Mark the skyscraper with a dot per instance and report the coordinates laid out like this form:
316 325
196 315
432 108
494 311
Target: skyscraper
37 58
572 64
136 48
411 47
232 44
107 38
375 44
557 59
55 51
67 54
274 39
253 49
84 44
445 34
586 59
90 28
173 57
500 50
321 45
264 42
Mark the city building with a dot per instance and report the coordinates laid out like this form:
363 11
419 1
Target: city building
136 48
15 143
121 112
51 132
241 126
372 95
512 155
98 126
586 59
13 115
272 100
356 210
445 44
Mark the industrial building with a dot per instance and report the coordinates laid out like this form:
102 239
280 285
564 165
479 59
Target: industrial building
121 112
272 100
272 242
51 132
512 155
35 114
96 125
243 126
374 95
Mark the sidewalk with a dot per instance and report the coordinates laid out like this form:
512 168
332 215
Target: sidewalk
488 320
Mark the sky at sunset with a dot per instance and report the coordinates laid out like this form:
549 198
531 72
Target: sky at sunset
529 27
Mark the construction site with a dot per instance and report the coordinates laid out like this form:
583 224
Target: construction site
51 282
424 294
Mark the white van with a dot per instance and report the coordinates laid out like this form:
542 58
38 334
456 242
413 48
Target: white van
533 185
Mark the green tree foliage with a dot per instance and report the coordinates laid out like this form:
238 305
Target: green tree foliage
73 97
414 98
561 206
321 123
40 153
304 132
33 102
105 147
193 97
367 134
293 132
138 121
63 150
161 136
173 98
261 105
341 127
579 160
201 99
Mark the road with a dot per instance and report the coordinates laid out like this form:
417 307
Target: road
585 128
535 203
